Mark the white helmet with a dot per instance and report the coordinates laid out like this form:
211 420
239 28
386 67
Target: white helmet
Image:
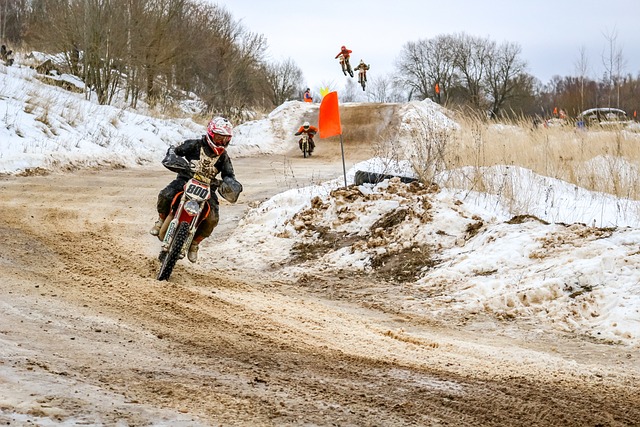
306 125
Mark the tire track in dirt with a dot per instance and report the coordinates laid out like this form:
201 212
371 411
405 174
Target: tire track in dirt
263 352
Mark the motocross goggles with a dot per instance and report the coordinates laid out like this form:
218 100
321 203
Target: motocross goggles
221 140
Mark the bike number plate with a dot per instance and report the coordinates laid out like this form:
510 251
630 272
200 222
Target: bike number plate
197 190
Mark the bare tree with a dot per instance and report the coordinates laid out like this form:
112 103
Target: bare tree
161 49
350 91
614 64
503 74
229 67
424 64
284 80
13 16
582 68
472 57
383 89
412 68
159 40
441 66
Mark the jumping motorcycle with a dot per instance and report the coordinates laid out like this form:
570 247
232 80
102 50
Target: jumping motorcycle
345 65
188 210
362 79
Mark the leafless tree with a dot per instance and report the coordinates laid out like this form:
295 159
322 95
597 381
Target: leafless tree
472 58
503 74
582 69
158 49
350 91
92 26
383 89
13 15
423 64
229 65
412 68
283 80
614 64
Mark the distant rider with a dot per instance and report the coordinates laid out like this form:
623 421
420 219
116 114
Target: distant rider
209 156
309 130
346 54
362 69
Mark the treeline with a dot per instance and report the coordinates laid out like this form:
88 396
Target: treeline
467 72
156 49
160 49
576 94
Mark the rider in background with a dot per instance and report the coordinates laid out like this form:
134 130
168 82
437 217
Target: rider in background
307 96
346 54
210 155
362 70
309 130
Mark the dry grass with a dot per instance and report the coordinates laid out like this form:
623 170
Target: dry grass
599 160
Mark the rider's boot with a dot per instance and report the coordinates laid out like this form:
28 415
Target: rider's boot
192 255
155 230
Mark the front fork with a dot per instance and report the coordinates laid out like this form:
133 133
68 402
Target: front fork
169 228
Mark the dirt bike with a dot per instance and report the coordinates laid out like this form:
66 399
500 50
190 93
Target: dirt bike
187 212
345 65
362 79
305 146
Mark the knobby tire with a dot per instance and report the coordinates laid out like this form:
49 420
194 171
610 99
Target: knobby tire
173 255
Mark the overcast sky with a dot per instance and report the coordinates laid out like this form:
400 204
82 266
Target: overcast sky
551 33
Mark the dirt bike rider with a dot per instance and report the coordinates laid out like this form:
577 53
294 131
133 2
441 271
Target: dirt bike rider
362 69
310 131
346 54
209 156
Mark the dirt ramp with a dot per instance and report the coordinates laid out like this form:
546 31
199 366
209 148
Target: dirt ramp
367 123
362 123
363 127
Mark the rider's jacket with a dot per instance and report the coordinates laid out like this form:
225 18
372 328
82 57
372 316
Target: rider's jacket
344 52
198 151
311 131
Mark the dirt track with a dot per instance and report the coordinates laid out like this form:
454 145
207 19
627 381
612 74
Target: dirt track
87 336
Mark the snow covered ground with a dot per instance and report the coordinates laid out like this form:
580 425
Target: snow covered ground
571 260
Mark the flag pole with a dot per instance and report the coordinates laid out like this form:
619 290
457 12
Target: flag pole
344 169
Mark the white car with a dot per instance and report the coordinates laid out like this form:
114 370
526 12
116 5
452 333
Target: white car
604 117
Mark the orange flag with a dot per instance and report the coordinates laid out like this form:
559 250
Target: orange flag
329 118
437 88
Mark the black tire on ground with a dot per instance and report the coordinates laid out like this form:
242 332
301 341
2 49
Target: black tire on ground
174 251
363 177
